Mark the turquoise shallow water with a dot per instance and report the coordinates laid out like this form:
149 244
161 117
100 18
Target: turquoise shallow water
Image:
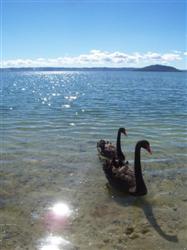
53 193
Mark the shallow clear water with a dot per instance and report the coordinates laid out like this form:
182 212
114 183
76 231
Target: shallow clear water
53 192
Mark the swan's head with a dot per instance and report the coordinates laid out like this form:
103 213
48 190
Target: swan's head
145 144
123 130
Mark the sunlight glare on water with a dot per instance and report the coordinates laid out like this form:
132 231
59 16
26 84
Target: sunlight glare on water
54 243
61 209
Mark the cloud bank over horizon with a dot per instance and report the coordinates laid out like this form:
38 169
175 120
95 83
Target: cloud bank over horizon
98 58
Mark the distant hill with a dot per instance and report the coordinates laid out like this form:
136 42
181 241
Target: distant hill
151 68
159 68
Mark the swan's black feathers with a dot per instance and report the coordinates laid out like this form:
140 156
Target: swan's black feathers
107 150
124 178
119 174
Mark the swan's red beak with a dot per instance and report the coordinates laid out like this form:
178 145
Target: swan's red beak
149 150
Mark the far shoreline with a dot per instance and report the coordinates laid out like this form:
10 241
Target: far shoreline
151 68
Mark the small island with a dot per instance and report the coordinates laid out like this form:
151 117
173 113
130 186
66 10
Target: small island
160 68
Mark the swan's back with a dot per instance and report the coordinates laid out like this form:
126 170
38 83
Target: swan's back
123 180
106 149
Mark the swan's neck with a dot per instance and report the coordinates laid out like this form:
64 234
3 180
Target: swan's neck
118 147
140 184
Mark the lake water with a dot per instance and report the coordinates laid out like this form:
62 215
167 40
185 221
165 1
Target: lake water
53 192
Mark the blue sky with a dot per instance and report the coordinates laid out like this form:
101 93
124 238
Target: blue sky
93 33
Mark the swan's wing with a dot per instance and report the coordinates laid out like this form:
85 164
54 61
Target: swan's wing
110 147
106 149
125 173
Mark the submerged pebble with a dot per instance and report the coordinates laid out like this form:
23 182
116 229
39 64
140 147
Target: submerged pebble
134 236
129 230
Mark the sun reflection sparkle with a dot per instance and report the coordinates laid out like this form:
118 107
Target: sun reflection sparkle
53 243
57 216
61 209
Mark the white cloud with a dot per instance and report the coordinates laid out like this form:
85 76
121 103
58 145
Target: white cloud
97 58
171 57
168 57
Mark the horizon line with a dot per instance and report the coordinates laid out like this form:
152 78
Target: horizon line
93 67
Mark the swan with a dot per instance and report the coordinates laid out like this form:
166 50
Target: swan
124 178
108 151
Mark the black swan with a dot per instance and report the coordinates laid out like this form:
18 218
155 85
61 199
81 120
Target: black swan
125 179
108 151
